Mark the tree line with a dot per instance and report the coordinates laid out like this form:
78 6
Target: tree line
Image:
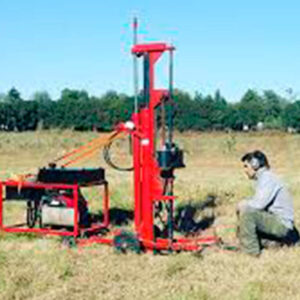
76 109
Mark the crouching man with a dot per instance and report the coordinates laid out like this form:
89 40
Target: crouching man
269 213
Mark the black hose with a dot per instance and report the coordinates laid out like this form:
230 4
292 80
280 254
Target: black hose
107 158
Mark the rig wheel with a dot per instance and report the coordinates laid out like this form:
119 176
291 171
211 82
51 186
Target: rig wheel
30 214
125 242
69 242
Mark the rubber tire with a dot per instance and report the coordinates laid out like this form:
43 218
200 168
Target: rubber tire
30 215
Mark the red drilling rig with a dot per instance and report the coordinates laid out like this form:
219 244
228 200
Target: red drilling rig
56 206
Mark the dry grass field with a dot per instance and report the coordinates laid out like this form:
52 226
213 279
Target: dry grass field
40 268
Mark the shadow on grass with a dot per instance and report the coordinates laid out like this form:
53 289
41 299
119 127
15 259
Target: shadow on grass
117 216
186 219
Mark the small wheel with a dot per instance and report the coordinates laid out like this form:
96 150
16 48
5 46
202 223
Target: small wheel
84 235
40 220
69 242
39 217
125 242
31 214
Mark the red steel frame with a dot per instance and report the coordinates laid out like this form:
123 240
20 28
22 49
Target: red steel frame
18 228
148 187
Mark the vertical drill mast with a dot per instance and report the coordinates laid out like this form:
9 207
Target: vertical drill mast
153 169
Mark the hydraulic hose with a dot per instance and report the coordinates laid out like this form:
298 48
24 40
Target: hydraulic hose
107 158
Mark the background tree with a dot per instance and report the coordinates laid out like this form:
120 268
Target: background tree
44 109
186 112
273 109
251 108
75 109
291 115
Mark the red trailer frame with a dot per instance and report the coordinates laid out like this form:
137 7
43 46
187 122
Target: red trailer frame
77 230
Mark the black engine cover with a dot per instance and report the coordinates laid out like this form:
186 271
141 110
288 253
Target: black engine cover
71 176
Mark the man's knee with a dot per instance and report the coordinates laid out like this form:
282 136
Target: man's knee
246 210
248 218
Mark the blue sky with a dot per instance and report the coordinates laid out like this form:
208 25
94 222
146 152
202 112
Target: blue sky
228 45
